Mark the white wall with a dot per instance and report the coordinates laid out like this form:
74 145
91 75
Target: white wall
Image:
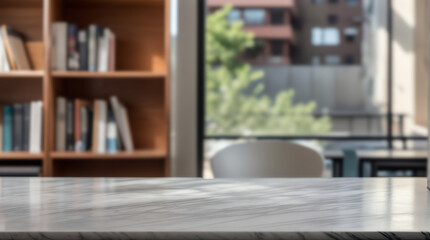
184 88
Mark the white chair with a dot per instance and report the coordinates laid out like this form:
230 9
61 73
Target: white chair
267 159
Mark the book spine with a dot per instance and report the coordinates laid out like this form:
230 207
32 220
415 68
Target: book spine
8 126
94 34
26 127
72 48
60 139
83 49
70 137
83 129
77 124
4 62
88 144
59 39
111 131
17 127
103 59
102 121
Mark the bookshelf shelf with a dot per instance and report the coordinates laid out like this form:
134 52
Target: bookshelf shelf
21 156
138 155
116 74
22 74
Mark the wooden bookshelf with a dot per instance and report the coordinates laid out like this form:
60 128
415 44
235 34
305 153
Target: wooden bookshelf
141 81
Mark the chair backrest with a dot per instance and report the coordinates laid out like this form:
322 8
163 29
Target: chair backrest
267 159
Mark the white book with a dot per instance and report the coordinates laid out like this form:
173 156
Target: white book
101 125
60 137
4 62
121 119
36 126
59 46
103 51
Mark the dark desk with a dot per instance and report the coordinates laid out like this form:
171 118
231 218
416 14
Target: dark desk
382 160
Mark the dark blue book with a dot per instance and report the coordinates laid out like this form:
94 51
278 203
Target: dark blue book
70 126
89 143
18 123
26 127
83 49
7 128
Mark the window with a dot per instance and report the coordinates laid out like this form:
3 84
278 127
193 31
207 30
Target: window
332 60
277 48
325 36
332 19
317 1
234 15
352 2
350 34
317 36
254 16
257 50
277 16
349 60
333 1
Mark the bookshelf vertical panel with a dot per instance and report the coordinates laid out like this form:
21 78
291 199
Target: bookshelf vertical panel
167 83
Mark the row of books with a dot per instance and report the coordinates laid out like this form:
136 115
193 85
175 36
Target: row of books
91 49
21 127
96 126
13 53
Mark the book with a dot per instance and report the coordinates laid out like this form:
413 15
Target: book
36 126
1 128
103 51
15 49
112 52
111 131
101 125
79 104
72 47
121 118
94 33
17 127
59 46
60 137
95 129
70 126
7 128
4 62
26 127
89 135
83 49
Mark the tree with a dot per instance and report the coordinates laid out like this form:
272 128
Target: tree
235 103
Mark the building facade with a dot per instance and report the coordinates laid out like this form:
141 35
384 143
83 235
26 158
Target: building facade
304 32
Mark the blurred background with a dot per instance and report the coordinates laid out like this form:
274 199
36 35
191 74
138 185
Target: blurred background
334 75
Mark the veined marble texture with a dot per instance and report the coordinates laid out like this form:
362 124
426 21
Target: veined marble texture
179 208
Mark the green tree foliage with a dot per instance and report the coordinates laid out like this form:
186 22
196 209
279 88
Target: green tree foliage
235 100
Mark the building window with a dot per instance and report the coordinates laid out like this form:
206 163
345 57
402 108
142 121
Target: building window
332 60
317 1
325 36
277 48
348 60
234 15
255 16
351 34
333 1
255 51
352 2
332 19
277 16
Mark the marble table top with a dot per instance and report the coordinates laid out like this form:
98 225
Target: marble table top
180 208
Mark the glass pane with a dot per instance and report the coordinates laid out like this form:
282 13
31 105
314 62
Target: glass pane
234 15
254 16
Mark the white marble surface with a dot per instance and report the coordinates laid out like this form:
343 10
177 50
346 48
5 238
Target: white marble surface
102 208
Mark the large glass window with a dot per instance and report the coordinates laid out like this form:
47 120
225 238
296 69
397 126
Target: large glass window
234 15
318 84
254 16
